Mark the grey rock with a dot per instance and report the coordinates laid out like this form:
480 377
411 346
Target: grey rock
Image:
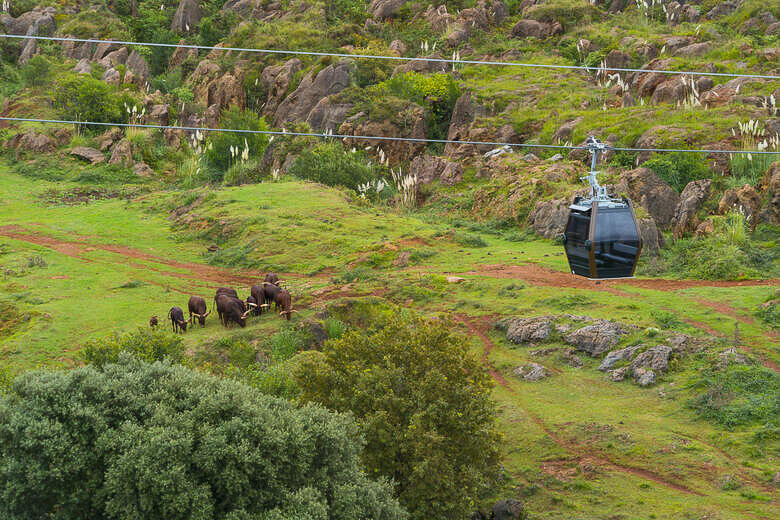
564 131
548 219
137 64
535 29
572 359
38 22
732 356
276 80
524 330
691 200
88 154
723 9
597 338
556 157
644 377
83 67
159 114
655 358
530 157
111 76
429 168
694 49
115 58
381 9
618 374
327 115
645 188
187 16
331 80
122 153
611 359
398 46
652 238
142 169
531 372
32 142
507 510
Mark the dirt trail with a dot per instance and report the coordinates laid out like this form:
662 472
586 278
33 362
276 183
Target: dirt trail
77 249
581 453
544 276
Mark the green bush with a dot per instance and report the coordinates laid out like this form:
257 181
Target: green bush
422 401
769 313
738 395
84 98
136 440
107 174
145 344
469 240
286 343
330 164
678 169
37 72
335 328
218 152
274 380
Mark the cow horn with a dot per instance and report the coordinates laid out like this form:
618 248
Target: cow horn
243 316
252 304
267 283
207 313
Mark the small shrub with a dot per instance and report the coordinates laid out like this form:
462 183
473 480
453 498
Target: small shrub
419 255
271 380
738 395
145 344
286 343
469 240
334 327
358 274
769 313
36 261
218 152
678 169
107 174
242 172
665 319
37 72
84 98
331 165
569 301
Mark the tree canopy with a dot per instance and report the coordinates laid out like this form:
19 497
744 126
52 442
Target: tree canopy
150 441
422 402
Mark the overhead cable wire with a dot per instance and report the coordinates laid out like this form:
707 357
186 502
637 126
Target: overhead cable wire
375 137
393 58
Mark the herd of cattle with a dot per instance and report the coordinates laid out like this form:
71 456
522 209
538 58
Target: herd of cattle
231 308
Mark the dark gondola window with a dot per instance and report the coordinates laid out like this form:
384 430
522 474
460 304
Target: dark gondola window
616 242
576 234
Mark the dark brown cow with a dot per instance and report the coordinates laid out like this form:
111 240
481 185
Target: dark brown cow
232 310
224 291
197 308
272 278
258 294
153 322
177 320
269 293
284 300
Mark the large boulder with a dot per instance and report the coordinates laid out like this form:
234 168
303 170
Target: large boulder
694 49
422 66
122 153
536 29
37 22
548 218
617 60
462 116
527 330
645 83
33 142
646 189
111 76
328 115
652 238
597 338
276 80
187 16
381 9
138 66
180 55
655 358
331 80
83 67
691 200
429 168
723 9
396 151
724 93
507 510
88 154
212 87
745 199
531 372
438 17
115 58
673 90
612 358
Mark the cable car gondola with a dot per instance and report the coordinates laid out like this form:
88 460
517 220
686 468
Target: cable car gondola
601 238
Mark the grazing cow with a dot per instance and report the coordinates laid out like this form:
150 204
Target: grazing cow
177 320
153 322
197 308
232 310
269 293
258 294
284 300
224 291
251 305
272 278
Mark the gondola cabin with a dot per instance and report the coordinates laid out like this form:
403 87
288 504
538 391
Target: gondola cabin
602 239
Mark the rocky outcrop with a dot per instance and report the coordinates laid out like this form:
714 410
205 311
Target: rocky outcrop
652 238
745 199
107 139
721 10
111 76
297 106
328 115
214 88
429 168
158 115
33 142
646 189
617 60
438 17
724 93
422 66
382 9
180 55
485 14
531 372
654 358
88 154
674 91
612 358
114 58
645 83
597 338
83 67
563 133
138 66
694 49
142 169
396 151
187 16
276 80
773 187
548 218
39 22
528 330
507 510
536 29
462 116
691 200
122 153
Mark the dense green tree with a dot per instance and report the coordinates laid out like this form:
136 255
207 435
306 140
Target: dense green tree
152 441
423 403
226 148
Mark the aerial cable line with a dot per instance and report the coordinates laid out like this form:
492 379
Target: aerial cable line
377 137
393 58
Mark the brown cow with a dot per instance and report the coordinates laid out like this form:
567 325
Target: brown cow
197 308
284 300
177 320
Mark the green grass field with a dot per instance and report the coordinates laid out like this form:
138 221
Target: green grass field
576 445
